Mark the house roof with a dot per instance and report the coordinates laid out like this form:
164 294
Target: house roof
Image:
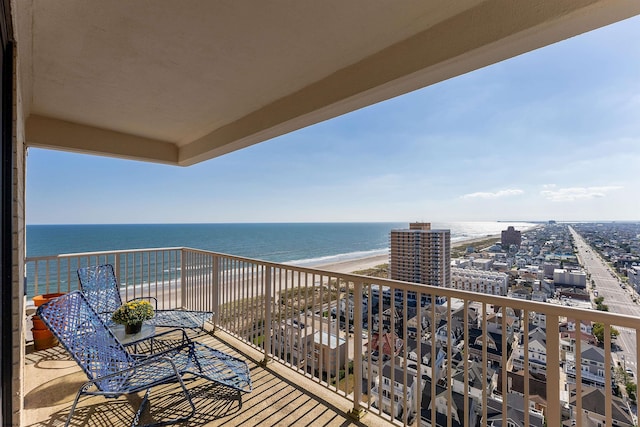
536 386
391 344
515 412
182 82
584 336
594 353
455 325
398 375
425 348
538 335
475 375
476 333
472 315
593 401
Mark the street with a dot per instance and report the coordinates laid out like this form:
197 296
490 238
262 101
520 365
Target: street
618 300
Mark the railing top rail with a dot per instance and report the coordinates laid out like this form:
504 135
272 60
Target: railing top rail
543 307
98 253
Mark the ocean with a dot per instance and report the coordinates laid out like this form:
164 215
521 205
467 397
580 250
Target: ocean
305 244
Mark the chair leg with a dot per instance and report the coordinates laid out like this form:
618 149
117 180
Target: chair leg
145 400
73 407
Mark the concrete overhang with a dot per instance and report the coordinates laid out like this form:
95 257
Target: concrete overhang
180 82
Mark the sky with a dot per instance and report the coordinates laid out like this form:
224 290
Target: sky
551 134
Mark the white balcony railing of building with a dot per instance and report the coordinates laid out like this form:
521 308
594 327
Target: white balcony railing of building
292 315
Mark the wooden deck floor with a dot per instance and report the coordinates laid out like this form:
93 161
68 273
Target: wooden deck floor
280 397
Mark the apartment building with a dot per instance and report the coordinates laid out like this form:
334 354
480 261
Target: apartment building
421 255
565 277
312 346
510 236
485 282
329 352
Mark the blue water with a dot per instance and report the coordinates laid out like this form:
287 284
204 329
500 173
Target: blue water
299 243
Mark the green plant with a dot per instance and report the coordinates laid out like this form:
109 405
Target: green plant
598 332
135 311
599 304
632 388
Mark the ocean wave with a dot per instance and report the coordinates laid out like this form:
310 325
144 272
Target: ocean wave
330 259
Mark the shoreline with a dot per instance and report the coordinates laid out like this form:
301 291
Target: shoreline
357 264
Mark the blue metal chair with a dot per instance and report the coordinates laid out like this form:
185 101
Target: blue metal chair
113 371
100 287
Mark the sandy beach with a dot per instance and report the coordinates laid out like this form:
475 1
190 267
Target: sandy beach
372 261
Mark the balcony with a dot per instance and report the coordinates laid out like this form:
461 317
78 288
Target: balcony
275 315
276 399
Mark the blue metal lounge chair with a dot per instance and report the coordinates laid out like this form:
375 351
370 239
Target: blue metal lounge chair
101 289
113 371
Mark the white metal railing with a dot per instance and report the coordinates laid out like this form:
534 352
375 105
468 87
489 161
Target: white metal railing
141 272
323 326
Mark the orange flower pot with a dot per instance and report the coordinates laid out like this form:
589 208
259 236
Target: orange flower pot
38 300
42 336
38 324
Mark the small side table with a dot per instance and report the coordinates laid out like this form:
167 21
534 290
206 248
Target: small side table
146 332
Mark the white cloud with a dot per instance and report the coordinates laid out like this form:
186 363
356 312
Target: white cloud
495 195
576 193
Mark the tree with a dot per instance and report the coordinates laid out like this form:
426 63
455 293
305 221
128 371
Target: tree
599 305
632 389
598 332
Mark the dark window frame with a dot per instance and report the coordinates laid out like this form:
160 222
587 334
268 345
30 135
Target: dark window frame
6 213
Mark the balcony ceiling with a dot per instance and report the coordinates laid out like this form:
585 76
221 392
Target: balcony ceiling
181 82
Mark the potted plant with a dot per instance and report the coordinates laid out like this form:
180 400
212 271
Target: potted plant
132 314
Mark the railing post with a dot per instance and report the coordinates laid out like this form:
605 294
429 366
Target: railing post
183 274
116 266
357 412
554 417
268 327
216 291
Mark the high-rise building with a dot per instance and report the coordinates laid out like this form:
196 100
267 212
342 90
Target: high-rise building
421 255
510 236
